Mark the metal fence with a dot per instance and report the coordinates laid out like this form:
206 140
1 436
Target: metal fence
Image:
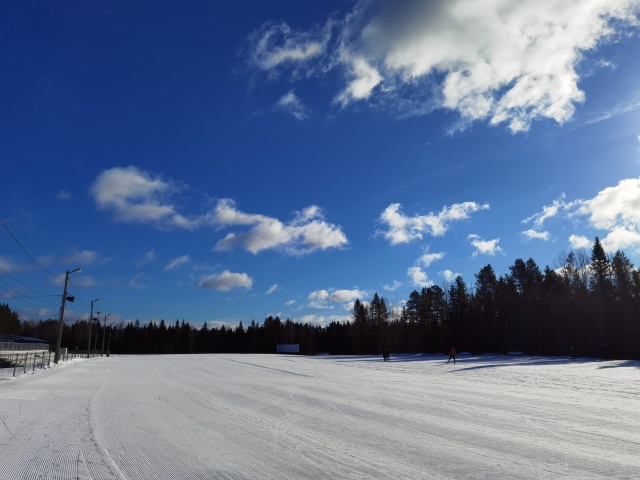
18 363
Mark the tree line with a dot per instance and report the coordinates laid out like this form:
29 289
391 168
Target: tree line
586 306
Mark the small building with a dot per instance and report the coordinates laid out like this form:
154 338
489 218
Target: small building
288 348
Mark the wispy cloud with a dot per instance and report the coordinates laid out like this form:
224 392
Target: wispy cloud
292 105
177 263
135 281
63 195
272 289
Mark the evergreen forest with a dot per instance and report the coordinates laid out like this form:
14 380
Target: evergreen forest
588 305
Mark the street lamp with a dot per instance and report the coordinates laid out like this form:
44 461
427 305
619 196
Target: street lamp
95 342
61 321
90 322
104 328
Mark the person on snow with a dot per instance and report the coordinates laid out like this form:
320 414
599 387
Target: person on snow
452 354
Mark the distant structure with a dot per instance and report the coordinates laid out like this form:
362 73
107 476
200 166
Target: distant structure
288 348
20 339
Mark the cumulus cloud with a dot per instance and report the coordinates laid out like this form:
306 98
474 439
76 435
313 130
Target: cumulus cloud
428 258
292 105
509 62
418 277
226 281
617 206
448 275
138 197
534 234
177 263
325 298
484 247
403 229
579 241
307 232
135 196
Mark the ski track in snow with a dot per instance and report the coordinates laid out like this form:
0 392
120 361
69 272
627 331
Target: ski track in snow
241 417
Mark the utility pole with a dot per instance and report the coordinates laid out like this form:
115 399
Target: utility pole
90 322
56 358
104 331
95 342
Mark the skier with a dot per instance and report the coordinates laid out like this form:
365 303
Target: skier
452 354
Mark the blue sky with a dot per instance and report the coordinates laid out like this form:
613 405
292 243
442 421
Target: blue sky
226 161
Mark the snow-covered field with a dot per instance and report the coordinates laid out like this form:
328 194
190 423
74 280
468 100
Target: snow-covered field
285 417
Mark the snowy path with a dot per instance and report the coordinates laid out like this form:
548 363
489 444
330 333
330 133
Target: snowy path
273 417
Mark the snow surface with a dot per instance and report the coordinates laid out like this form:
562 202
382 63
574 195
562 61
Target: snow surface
276 417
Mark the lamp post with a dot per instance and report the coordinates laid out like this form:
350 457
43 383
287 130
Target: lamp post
61 320
104 329
90 322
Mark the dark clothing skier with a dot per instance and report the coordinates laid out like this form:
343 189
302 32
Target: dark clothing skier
452 354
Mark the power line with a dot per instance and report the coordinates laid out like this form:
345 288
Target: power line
15 279
25 250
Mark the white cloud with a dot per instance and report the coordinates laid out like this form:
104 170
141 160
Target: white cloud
418 277
549 211
534 234
134 196
288 303
485 247
307 232
276 44
292 105
226 281
620 239
508 61
579 241
272 289
448 275
177 263
428 258
393 287
403 229
615 207
324 298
